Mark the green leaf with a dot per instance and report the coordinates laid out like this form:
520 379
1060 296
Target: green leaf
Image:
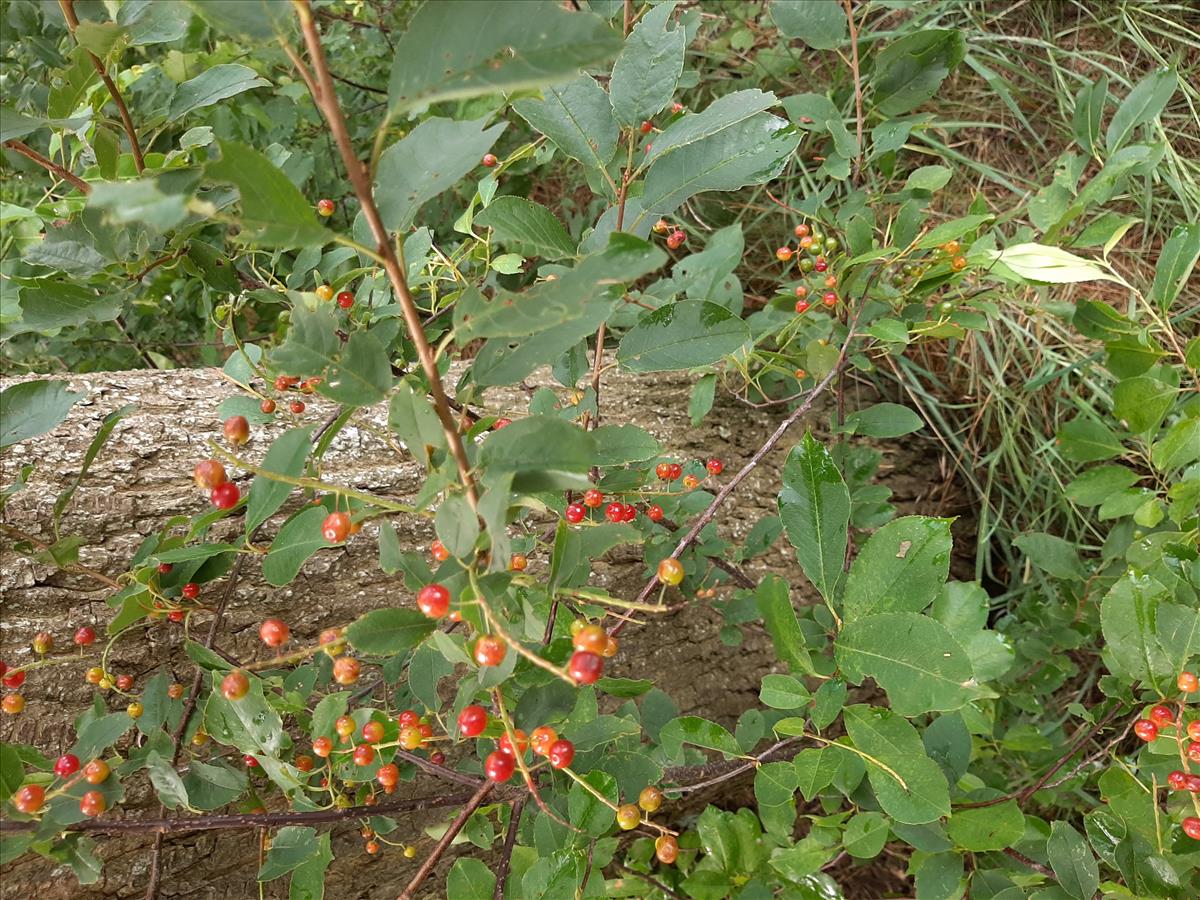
459 48
722 113
951 230
1087 440
928 178
814 506
901 568
211 786
1179 446
457 526
290 846
648 67
1072 861
259 20
308 878
784 692
48 304
586 811
865 835
1144 401
883 420
274 212
100 734
1052 554
12 774
153 23
1052 265
750 151
816 768
470 879
287 456
65 255
577 117
167 784
139 200
542 453
682 335
1146 638
1096 485
1147 99
620 444
1089 110
779 616
775 792
914 658
298 539
412 417
532 227
356 373
909 71
1175 264
251 724
819 23
428 160
699 732
211 86
33 408
912 789
987 828
386 632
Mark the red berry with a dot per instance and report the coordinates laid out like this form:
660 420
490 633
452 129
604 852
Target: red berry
434 600
820 265
225 496
1145 729
92 803
336 527
1193 784
562 752
676 471
505 745
191 590
590 638
176 615
585 668
235 685
499 766
593 498
663 471
237 430
29 799
614 512
437 758
267 406
1193 751
801 230
654 513
1187 682
489 160
14 679
325 207
274 632
670 571
1193 730
346 670
124 682
802 306
67 764
629 513
304 763
438 551
501 423
250 761
647 127
676 107
345 299
666 849
408 717
542 739
1161 715
85 636
490 650
96 772
322 747
388 775
1191 827
676 239
296 406
208 474
714 466
1177 780
472 721
575 513
364 755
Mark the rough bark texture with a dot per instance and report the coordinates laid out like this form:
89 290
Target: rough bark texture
143 476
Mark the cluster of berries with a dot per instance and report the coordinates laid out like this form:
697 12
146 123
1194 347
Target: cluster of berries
619 511
31 798
1162 719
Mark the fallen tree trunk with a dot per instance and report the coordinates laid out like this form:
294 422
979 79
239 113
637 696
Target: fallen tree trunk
143 476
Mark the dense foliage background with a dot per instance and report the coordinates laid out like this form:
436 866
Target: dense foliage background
965 221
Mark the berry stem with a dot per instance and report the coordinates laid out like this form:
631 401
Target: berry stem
495 627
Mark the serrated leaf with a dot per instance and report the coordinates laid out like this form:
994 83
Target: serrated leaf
901 568
682 335
530 225
646 71
211 86
814 506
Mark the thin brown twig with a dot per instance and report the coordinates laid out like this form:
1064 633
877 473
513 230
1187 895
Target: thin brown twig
858 92
510 841
49 165
451 833
68 8
715 773
321 86
74 568
651 880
